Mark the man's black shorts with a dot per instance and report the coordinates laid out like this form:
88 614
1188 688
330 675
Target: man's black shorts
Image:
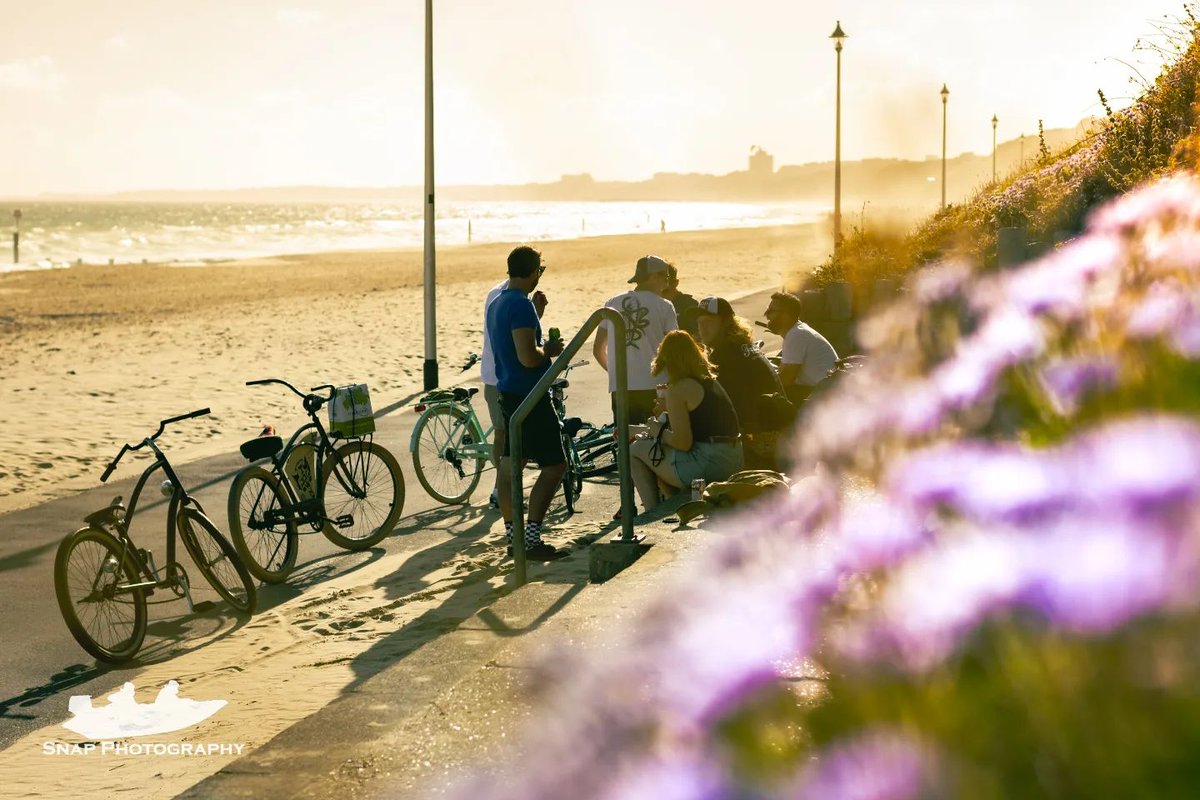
641 405
541 433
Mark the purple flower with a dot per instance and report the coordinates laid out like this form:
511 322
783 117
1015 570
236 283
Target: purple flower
1139 465
935 599
878 765
1060 284
1093 574
941 282
1175 197
682 778
1160 310
983 481
1067 381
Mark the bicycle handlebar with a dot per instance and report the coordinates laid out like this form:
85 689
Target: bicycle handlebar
472 360
162 426
266 381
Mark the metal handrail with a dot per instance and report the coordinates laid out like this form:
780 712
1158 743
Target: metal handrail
517 422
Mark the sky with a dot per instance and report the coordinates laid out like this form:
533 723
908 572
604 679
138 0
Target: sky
146 94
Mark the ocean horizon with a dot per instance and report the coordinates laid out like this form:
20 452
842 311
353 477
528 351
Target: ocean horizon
57 234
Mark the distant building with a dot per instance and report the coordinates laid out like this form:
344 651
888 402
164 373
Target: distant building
761 162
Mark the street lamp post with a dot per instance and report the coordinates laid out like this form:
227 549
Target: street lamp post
945 96
431 365
995 122
838 35
17 236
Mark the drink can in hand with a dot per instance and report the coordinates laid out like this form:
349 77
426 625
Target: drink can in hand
698 489
555 333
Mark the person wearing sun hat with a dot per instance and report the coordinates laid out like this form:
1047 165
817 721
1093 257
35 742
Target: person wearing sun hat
747 377
648 318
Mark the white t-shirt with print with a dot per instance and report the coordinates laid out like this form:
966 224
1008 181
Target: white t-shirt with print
803 345
648 318
487 361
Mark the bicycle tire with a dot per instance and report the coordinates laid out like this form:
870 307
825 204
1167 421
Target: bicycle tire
597 451
73 564
217 560
356 457
433 438
268 550
572 479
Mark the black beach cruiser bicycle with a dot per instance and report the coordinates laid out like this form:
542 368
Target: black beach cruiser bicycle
352 492
102 579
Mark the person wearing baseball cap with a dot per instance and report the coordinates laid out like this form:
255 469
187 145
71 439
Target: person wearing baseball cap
648 318
747 377
807 355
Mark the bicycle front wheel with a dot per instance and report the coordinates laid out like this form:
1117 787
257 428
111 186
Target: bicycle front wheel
449 476
89 569
362 492
217 560
262 526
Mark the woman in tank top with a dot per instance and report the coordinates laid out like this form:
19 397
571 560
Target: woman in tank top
701 438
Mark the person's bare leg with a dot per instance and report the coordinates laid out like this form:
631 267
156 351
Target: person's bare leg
498 442
544 489
644 480
504 487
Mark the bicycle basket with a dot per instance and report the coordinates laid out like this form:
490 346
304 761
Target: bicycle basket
350 414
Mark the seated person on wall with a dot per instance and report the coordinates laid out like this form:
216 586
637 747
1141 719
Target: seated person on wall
807 355
701 437
747 377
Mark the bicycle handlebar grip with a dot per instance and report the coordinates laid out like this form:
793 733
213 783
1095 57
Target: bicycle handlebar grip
262 382
200 413
108 471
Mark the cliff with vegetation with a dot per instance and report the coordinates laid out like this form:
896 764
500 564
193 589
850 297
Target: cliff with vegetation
1052 196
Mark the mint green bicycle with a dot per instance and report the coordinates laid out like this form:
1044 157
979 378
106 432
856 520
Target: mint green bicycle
451 449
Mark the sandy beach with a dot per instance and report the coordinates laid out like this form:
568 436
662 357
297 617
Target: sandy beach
94 356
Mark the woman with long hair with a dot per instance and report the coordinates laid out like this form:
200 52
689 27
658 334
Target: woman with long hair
701 437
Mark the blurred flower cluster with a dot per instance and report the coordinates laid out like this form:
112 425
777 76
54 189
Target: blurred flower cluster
986 587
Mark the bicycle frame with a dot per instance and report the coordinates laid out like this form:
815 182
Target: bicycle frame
179 498
480 448
310 510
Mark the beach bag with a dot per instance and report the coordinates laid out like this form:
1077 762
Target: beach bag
775 412
350 413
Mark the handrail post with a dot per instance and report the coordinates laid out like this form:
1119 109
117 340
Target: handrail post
517 423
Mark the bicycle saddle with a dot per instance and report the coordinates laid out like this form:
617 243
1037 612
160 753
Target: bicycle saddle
109 515
458 394
572 426
261 447
561 383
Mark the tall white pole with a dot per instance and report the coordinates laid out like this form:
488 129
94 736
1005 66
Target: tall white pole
431 365
838 35
945 96
837 159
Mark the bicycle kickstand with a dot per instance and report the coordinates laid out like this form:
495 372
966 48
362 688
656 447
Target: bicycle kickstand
202 606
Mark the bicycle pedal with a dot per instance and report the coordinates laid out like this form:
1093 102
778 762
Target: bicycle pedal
344 521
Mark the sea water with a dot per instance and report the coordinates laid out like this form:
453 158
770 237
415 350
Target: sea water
59 234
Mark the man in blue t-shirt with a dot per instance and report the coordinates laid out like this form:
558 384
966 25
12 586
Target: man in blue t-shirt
521 359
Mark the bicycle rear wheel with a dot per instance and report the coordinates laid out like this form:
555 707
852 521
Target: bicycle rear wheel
262 527
597 450
217 560
442 470
88 569
362 492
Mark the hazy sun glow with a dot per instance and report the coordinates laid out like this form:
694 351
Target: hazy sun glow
133 94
